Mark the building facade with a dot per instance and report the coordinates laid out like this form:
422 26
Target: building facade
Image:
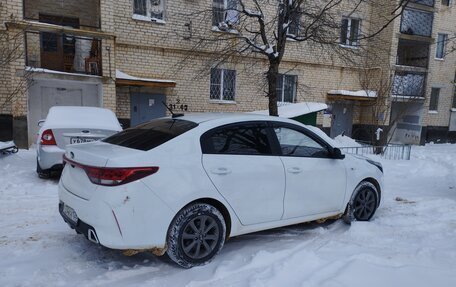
131 56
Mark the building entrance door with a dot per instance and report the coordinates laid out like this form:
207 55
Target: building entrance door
342 119
145 107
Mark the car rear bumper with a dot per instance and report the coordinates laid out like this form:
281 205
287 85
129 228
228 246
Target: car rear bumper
119 221
50 157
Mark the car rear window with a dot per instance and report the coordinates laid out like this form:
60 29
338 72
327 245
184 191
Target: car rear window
152 134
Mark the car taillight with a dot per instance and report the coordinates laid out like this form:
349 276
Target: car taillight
112 176
47 138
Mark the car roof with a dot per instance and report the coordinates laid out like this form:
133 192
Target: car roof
216 119
229 117
81 117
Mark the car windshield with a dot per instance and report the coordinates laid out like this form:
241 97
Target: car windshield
152 134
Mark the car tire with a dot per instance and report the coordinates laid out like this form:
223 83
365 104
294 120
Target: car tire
42 173
363 204
196 235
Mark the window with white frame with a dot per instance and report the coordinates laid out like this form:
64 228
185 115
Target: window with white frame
286 88
295 25
441 46
223 84
350 31
150 10
225 13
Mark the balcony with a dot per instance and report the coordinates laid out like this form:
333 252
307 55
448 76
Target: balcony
429 3
413 53
63 52
417 22
409 85
79 14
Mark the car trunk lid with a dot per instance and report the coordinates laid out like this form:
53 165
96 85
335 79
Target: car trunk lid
65 136
74 177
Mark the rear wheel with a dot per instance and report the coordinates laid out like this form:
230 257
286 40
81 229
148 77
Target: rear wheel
42 173
363 204
196 235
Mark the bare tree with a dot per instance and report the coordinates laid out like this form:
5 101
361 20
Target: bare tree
12 49
264 28
378 82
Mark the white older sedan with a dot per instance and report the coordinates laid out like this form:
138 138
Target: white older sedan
70 125
184 185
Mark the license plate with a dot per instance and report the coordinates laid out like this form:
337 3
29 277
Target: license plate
81 140
70 213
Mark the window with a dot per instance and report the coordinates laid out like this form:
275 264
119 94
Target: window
152 134
295 25
286 88
446 3
225 13
441 46
241 139
223 84
296 143
350 32
454 98
150 10
454 93
434 101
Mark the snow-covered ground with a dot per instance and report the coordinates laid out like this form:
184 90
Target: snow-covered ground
410 242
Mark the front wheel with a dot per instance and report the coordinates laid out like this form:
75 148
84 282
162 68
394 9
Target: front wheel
363 204
196 235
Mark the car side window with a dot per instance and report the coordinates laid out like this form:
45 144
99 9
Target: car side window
296 143
249 139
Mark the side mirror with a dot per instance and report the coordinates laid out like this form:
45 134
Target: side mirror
337 154
41 122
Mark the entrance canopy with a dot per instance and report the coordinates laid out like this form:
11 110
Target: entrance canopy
124 79
353 95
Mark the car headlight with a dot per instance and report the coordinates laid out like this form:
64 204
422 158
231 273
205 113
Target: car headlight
377 164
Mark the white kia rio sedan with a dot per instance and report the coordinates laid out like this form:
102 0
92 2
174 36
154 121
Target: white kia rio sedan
70 125
184 185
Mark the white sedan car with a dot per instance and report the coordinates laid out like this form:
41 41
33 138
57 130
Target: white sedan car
184 185
70 125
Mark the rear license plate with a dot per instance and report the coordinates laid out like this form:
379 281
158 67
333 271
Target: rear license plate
70 213
81 140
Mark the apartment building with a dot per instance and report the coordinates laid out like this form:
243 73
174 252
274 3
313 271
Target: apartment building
133 55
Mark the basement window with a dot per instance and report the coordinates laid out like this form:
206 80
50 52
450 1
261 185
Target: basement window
149 10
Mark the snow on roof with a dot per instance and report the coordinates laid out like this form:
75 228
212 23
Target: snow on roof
290 110
81 117
124 76
362 93
41 70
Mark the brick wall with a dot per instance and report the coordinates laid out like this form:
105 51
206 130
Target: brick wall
88 11
441 72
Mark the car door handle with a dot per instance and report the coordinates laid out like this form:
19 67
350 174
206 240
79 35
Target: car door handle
294 170
221 171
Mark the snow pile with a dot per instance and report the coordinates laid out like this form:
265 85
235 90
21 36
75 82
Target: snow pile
362 93
5 145
409 242
344 141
